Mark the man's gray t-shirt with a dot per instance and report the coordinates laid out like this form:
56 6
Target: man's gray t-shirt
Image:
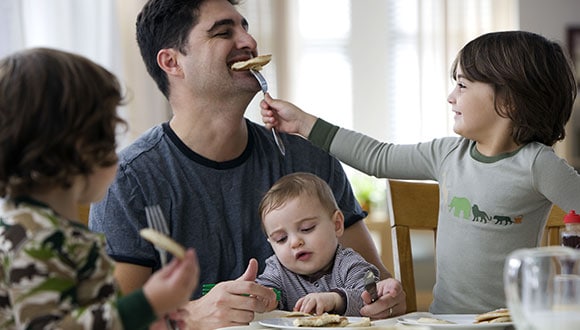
210 206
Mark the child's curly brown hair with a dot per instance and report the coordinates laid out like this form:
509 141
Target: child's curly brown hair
58 119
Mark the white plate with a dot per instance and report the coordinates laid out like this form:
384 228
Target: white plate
461 321
287 323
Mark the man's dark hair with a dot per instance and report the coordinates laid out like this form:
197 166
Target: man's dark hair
165 24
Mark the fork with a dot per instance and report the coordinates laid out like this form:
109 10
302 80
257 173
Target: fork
264 86
156 220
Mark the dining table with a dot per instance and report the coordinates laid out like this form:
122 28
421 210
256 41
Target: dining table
386 324
394 323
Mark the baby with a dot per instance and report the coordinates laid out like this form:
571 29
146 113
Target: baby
313 272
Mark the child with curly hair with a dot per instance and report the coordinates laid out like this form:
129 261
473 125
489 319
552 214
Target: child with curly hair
58 120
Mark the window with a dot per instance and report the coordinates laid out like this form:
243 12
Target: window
376 66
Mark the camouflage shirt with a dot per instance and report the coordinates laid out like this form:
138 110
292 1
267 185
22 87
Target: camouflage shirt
55 274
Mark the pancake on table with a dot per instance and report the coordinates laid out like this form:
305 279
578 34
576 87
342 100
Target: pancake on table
500 315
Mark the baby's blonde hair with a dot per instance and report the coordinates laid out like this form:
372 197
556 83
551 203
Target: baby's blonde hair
295 185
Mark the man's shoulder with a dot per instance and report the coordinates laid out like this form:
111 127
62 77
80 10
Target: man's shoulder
144 144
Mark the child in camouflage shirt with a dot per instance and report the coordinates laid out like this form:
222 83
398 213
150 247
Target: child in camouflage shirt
58 120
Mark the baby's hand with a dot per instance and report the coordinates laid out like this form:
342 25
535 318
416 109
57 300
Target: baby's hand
318 303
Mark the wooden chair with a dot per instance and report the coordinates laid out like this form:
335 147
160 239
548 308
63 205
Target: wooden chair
411 205
415 205
84 213
553 227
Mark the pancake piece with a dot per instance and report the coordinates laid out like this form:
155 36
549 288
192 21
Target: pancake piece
324 320
163 241
500 315
255 63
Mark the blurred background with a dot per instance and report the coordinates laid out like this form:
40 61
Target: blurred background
377 66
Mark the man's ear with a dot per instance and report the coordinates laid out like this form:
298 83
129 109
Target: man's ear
167 61
338 219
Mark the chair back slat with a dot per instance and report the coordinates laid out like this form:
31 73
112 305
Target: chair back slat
411 205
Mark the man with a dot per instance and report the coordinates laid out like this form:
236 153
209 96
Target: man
209 167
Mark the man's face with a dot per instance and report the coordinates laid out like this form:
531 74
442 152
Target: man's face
218 40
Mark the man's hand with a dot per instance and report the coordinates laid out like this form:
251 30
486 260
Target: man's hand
231 303
391 300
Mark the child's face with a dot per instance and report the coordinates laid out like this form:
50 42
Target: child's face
303 235
473 105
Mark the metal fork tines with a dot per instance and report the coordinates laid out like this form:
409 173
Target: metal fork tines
156 220
264 86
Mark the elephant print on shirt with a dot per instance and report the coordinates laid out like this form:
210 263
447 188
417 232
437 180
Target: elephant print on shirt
461 207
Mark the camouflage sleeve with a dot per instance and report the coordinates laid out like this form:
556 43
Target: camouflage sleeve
55 274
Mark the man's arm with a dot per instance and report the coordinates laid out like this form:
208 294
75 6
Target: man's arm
131 277
357 237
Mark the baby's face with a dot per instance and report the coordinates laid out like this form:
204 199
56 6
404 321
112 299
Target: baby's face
304 236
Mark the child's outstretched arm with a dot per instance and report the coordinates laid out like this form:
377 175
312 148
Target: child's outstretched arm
286 117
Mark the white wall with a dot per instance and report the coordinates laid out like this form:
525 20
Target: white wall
549 17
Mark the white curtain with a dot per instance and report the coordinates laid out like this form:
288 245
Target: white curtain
85 27
147 106
378 66
11 36
424 37
101 30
